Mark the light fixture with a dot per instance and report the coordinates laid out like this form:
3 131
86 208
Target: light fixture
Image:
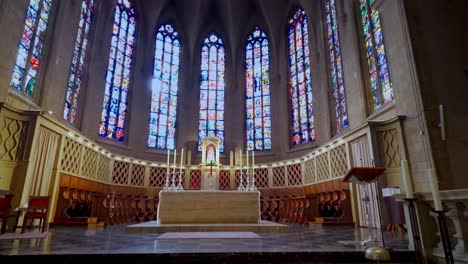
377 253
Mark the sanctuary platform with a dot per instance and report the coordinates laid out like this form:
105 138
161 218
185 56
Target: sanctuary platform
112 244
205 211
155 227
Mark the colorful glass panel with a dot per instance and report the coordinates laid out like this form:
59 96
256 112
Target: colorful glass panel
211 120
258 109
300 81
78 59
380 85
336 66
114 106
164 89
30 47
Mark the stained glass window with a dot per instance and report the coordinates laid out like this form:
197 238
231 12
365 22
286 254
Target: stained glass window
211 122
164 88
380 85
258 111
300 82
30 47
336 66
76 68
114 106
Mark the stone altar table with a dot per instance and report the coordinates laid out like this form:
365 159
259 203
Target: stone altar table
205 207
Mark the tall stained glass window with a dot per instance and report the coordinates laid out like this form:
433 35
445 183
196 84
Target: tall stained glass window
258 112
30 47
114 106
164 88
211 122
78 59
300 82
380 85
336 66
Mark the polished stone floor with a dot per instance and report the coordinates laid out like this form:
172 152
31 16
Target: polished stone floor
115 240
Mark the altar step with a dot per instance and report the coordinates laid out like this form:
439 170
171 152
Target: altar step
155 227
323 257
321 221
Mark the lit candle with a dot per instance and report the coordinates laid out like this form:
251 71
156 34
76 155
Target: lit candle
435 189
168 154
175 155
240 158
407 179
181 160
247 160
253 161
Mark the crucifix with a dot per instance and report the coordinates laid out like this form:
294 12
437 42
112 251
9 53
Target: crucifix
210 176
211 164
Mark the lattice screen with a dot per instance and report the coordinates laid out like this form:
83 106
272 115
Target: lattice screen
71 156
157 177
120 172
238 178
338 161
138 175
309 173
224 180
88 168
195 179
322 167
261 178
103 169
278 177
294 175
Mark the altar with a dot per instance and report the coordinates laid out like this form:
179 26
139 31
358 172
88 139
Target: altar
208 211
208 207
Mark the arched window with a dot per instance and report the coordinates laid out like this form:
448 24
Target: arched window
164 89
336 67
114 106
30 47
211 122
380 86
78 59
300 82
258 112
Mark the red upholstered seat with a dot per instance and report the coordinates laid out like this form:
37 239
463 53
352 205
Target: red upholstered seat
37 214
5 206
37 209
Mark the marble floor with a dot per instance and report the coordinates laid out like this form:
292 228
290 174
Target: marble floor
115 240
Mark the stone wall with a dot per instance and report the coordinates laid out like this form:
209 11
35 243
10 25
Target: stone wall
437 30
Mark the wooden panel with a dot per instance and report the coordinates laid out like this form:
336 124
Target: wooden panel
64 180
74 183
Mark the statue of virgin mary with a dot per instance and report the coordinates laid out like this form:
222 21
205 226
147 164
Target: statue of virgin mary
210 154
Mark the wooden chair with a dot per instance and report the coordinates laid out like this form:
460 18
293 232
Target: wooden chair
5 213
37 209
